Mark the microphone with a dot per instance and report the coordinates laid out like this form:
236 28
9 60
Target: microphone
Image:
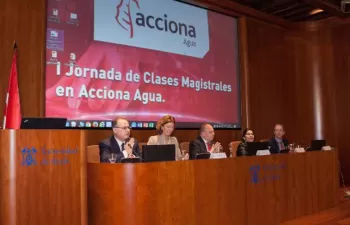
131 146
127 142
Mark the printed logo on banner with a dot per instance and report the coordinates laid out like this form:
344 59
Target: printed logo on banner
162 25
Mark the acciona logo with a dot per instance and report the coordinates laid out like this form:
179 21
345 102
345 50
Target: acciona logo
163 25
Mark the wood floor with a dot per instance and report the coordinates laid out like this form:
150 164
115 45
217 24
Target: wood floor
339 215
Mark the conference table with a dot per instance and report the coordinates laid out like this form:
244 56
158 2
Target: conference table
244 190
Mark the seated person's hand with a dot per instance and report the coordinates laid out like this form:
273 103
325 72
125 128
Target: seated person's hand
131 142
216 148
187 156
128 147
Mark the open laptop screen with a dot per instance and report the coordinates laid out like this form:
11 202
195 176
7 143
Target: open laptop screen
156 153
253 147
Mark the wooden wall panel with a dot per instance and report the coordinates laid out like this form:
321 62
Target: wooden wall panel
341 37
270 67
313 93
290 81
23 21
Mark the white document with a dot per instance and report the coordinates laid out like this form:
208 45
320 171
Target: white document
299 150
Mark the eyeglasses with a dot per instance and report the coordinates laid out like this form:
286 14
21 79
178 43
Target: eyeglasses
124 128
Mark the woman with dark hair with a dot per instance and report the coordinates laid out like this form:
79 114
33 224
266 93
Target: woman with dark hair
248 136
165 127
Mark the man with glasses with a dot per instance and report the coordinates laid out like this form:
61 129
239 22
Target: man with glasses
120 144
278 143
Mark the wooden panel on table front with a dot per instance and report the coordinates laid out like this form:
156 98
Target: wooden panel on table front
213 191
36 192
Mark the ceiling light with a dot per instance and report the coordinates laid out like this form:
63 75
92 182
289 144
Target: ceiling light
315 11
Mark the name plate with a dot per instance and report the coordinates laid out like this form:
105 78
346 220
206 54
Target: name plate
263 152
220 155
299 150
326 148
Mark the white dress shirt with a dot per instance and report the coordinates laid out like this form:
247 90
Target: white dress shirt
206 144
125 153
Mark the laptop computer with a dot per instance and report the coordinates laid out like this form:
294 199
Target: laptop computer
131 160
253 147
43 123
157 153
317 145
203 156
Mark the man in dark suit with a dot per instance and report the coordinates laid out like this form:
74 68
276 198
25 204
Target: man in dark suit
120 143
203 143
278 143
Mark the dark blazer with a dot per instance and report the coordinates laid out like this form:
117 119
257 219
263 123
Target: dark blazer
110 145
274 149
197 146
242 149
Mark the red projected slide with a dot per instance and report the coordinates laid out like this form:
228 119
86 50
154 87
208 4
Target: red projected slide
141 59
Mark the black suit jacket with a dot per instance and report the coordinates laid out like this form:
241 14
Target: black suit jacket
110 145
274 149
242 149
197 146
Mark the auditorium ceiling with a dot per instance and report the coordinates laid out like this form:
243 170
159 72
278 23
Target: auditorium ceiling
298 10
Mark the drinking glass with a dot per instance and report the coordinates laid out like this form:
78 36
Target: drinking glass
183 154
291 147
218 149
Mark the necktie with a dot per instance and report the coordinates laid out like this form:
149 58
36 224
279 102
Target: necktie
209 146
281 146
123 147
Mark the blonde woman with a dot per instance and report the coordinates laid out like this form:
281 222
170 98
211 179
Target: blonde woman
165 127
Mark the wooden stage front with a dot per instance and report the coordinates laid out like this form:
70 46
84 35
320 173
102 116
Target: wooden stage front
339 215
249 190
